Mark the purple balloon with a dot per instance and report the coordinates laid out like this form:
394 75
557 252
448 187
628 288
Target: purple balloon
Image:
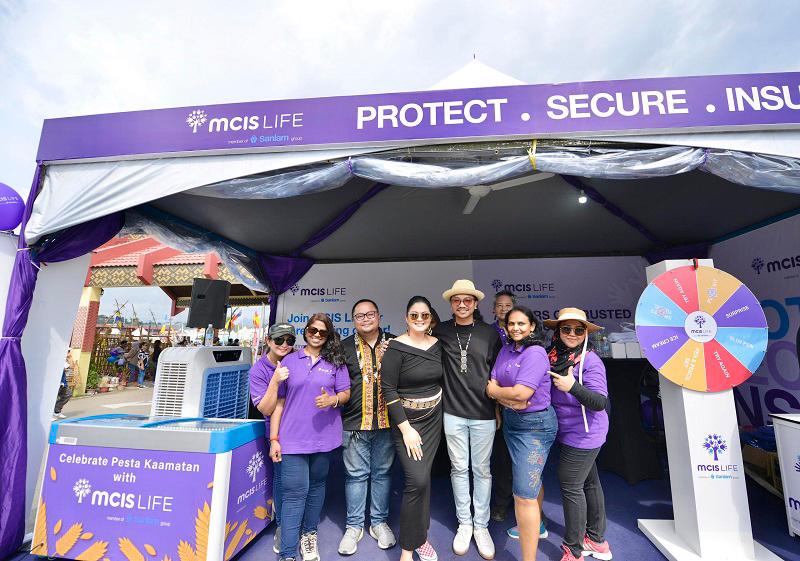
11 208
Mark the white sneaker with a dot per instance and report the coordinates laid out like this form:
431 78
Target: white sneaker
484 542
308 546
61 416
349 543
462 539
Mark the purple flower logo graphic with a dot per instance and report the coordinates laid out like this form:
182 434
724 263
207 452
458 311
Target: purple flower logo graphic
295 289
497 284
757 265
700 320
797 464
714 444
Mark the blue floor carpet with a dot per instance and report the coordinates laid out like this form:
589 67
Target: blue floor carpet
624 505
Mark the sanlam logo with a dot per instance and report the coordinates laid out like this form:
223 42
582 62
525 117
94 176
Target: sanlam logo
760 265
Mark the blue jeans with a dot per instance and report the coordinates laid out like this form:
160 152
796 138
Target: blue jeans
141 376
302 496
470 441
368 457
276 491
529 437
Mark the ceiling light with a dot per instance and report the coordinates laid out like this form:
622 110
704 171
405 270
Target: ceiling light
583 199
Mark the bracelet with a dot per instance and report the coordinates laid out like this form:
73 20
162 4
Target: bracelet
274 438
337 401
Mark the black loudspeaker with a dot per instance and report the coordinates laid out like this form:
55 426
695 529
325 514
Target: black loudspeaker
209 303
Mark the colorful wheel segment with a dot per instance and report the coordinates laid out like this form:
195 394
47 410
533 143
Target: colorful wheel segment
701 328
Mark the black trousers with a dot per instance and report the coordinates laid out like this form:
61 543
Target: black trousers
415 508
502 489
64 394
582 497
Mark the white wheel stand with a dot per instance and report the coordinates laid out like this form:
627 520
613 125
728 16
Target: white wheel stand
709 497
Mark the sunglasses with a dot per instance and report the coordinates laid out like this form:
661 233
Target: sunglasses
284 340
567 329
414 316
365 315
314 331
465 301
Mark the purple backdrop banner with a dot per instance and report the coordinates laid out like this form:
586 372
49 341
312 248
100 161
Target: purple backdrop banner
617 107
121 504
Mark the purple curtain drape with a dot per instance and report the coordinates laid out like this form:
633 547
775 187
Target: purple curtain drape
68 244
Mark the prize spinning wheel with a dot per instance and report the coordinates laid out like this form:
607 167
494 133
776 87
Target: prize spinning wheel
701 328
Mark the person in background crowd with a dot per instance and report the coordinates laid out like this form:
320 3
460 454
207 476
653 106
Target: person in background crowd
469 348
266 376
503 302
236 342
142 361
304 428
156 353
580 406
501 461
132 359
411 376
368 450
66 386
521 385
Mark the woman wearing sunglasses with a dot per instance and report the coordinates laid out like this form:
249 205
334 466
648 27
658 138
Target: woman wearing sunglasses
411 380
266 377
580 406
520 382
306 426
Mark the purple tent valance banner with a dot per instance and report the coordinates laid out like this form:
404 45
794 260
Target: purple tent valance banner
681 104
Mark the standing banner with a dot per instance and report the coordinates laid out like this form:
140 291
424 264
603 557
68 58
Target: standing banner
767 260
606 287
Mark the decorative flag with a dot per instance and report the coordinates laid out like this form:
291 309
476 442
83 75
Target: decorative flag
118 319
256 320
235 315
163 330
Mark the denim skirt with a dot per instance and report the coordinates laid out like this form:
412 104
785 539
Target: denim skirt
529 437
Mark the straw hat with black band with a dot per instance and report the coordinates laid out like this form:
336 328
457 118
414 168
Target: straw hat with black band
579 315
463 286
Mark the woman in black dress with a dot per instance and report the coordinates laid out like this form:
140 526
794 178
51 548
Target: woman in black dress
411 374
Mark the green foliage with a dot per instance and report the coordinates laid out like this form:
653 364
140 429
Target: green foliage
93 377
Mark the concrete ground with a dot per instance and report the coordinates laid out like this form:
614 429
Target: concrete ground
127 400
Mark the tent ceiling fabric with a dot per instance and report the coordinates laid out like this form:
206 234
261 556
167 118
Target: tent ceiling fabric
80 192
541 218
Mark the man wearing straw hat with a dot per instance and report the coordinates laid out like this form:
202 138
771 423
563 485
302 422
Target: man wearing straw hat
469 348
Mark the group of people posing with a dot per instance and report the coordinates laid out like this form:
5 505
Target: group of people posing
378 396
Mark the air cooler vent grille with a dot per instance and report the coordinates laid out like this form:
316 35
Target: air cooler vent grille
227 394
171 385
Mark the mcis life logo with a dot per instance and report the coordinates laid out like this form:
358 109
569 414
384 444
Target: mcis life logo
715 445
254 465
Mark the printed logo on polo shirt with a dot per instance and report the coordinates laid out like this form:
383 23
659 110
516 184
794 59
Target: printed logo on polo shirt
782 263
254 465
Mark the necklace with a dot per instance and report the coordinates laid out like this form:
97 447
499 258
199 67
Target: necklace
463 350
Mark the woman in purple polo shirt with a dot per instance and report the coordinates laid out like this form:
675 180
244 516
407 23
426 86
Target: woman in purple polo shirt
305 427
580 405
520 382
266 376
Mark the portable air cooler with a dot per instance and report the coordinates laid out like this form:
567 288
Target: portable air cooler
209 382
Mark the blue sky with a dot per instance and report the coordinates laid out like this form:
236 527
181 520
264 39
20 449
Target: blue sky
71 58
